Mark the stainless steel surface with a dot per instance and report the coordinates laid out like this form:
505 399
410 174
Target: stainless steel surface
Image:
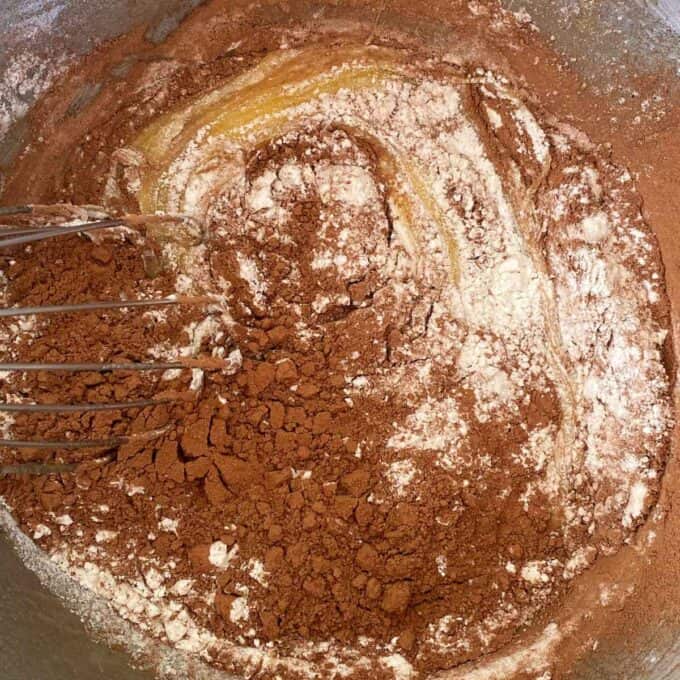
39 638
610 38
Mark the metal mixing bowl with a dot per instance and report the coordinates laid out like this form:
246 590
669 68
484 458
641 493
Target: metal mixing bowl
39 637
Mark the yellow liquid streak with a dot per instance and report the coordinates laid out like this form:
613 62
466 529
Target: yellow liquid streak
256 107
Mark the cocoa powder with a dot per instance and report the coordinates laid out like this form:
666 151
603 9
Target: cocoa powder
271 453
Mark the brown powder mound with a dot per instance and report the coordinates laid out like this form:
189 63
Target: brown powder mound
266 461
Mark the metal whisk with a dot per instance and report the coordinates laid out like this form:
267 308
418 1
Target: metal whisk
12 236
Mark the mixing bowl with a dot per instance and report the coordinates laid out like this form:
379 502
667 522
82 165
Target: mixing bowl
608 41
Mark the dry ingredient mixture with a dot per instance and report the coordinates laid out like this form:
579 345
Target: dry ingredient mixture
444 327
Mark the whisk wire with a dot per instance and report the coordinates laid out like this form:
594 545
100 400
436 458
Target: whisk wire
79 408
100 304
52 232
14 236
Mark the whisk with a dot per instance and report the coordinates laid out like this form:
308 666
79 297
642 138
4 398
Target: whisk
12 236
